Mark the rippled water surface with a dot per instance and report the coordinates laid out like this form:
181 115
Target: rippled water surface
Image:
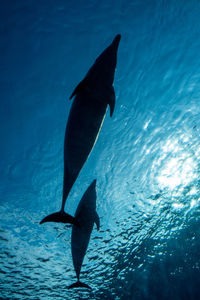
146 159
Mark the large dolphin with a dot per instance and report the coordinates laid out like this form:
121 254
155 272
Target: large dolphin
92 96
86 216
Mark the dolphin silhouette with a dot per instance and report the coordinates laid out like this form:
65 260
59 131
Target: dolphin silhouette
85 216
92 96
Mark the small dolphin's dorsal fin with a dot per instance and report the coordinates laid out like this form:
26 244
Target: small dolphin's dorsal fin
111 101
80 87
97 220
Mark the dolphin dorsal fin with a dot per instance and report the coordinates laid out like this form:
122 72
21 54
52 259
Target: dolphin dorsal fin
79 88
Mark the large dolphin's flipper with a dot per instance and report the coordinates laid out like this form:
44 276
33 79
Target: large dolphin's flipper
79 88
79 284
97 220
111 101
59 217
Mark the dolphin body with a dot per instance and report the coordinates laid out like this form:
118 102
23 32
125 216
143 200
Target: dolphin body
92 96
86 216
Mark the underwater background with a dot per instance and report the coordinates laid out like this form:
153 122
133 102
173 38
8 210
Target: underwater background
146 160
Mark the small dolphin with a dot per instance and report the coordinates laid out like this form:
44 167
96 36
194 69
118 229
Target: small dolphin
86 216
92 96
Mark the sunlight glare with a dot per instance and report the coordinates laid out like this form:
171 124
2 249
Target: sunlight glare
178 168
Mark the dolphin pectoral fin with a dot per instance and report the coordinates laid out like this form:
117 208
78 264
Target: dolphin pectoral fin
79 284
97 220
111 101
80 87
59 217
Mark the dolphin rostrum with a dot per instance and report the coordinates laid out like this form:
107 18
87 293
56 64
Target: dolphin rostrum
92 96
85 216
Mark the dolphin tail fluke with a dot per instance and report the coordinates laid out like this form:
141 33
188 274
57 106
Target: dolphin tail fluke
59 217
79 284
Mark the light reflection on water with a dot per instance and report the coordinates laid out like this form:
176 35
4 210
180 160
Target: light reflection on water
177 166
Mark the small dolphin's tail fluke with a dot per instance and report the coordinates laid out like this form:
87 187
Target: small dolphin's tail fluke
79 284
59 217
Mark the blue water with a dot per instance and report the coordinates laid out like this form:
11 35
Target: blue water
146 159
